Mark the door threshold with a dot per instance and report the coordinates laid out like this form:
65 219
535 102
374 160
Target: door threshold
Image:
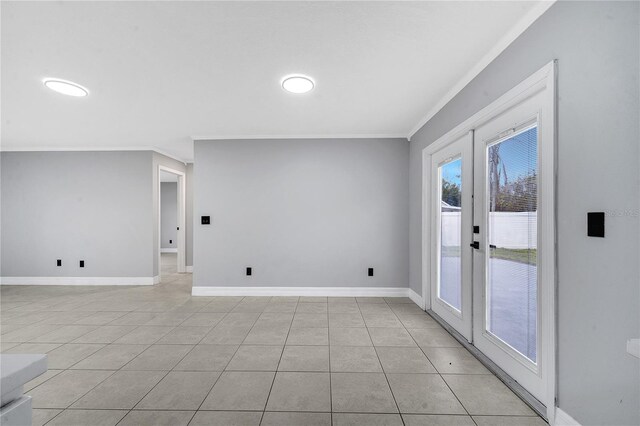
515 387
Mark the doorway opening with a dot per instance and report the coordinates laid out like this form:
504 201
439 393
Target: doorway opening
171 223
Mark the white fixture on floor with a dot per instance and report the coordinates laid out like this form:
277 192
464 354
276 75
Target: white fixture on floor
15 371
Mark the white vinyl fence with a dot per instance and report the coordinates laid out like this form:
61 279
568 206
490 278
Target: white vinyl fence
508 230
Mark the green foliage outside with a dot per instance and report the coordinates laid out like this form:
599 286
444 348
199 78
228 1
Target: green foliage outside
528 256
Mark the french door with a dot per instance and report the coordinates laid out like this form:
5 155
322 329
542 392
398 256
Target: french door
491 236
452 177
508 190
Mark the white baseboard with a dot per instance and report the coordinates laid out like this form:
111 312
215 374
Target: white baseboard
79 280
302 291
417 299
189 269
168 250
563 419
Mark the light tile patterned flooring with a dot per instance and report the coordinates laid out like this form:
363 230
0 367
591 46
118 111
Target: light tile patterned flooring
157 356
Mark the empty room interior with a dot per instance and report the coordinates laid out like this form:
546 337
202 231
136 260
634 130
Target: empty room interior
320 213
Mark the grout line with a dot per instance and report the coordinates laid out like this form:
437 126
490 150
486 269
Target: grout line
174 366
277 366
330 373
441 378
384 372
223 369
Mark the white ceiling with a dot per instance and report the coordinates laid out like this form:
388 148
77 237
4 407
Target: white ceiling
161 73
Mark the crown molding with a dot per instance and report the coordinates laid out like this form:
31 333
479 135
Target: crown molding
307 136
515 32
94 149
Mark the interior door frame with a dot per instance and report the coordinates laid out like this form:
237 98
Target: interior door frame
181 218
543 79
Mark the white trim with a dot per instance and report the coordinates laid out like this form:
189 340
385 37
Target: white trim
92 149
545 78
189 269
79 280
515 32
306 136
563 419
539 79
168 250
303 291
182 210
417 299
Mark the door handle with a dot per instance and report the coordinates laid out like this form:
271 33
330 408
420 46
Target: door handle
475 245
491 246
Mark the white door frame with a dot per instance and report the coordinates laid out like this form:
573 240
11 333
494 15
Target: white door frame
181 217
543 79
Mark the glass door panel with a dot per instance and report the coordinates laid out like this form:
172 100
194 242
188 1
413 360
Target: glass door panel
450 276
451 186
512 275
512 279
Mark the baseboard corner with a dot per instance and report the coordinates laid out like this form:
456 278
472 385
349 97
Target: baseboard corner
417 299
564 419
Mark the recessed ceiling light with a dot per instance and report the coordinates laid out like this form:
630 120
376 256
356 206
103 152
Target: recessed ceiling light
297 84
65 87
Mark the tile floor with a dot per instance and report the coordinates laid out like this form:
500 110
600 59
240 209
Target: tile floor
157 356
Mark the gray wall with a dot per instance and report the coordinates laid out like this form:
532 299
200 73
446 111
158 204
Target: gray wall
302 212
189 215
93 206
597 45
157 160
168 214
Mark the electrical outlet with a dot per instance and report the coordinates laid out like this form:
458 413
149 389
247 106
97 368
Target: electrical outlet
82 263
249 271
59 262
370 272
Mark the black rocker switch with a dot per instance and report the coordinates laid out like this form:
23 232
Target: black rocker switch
59 262
595 224
249 271
82 263
370 272
205 220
